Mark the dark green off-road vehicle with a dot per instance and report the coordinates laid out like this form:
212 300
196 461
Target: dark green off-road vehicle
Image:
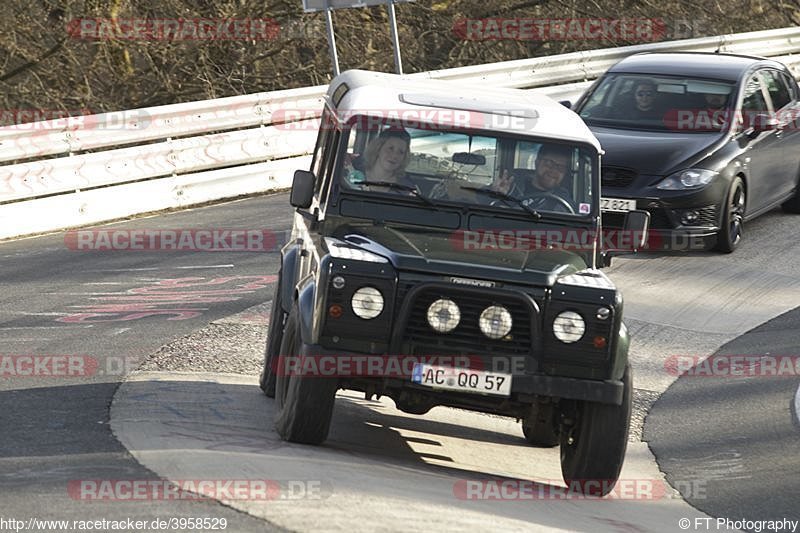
431 261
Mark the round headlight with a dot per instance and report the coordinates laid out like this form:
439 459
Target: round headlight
495 322
569 327
444 315
367 302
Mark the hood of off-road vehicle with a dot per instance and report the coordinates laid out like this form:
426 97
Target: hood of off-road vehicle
463 254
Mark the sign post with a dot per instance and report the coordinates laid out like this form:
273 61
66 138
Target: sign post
310 6
332 42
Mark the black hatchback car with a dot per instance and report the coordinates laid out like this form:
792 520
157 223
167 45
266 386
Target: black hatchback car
702 141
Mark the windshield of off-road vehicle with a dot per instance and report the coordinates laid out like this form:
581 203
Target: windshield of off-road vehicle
433 166
658 103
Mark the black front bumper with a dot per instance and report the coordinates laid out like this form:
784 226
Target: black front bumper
523 384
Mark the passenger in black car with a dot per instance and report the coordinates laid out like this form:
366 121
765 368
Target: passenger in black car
645 103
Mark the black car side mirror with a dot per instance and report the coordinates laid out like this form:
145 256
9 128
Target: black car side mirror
566 103
302 188
762 122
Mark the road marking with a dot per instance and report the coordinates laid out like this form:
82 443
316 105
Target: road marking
4 328
123 269
9 312
208 266
147 269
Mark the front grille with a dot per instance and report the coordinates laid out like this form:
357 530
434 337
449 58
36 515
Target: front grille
658 219
419 338
617 177
708 215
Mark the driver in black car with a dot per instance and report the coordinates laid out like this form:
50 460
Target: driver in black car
544 183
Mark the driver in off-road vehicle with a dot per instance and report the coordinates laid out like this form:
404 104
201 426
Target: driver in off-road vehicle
537 187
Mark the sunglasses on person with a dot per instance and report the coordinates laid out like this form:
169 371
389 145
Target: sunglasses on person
644 93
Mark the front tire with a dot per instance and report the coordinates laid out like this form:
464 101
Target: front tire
730 235
305 402
593 450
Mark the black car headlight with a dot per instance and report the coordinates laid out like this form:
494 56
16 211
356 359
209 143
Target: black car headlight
692 178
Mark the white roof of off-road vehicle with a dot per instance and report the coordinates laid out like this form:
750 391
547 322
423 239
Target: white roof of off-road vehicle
514 111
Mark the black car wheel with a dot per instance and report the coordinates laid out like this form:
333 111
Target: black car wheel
540 429
305 403
593 450
730 235
277 321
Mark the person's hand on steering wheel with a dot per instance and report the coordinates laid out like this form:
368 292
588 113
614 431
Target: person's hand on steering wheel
549 201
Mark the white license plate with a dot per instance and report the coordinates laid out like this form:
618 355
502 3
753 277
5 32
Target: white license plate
617 205
462 379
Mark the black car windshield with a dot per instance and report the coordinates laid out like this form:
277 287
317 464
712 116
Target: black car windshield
436 165
658 103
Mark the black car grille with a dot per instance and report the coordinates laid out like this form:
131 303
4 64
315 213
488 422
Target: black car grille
707 216
467 338
658 219
617 177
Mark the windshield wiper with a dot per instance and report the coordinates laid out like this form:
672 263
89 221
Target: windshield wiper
397 187
506 198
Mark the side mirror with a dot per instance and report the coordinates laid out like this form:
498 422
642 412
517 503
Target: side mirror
636 224
302 188
762 122
566 103
631 239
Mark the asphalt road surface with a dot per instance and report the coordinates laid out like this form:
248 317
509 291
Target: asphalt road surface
55 429
743 445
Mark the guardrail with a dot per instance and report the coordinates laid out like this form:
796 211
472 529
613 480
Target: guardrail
71 172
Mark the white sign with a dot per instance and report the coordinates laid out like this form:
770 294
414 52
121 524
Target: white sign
322 5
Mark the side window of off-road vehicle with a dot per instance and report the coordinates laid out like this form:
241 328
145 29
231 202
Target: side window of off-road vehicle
324 156
323 149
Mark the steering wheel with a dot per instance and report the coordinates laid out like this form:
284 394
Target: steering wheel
541 200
